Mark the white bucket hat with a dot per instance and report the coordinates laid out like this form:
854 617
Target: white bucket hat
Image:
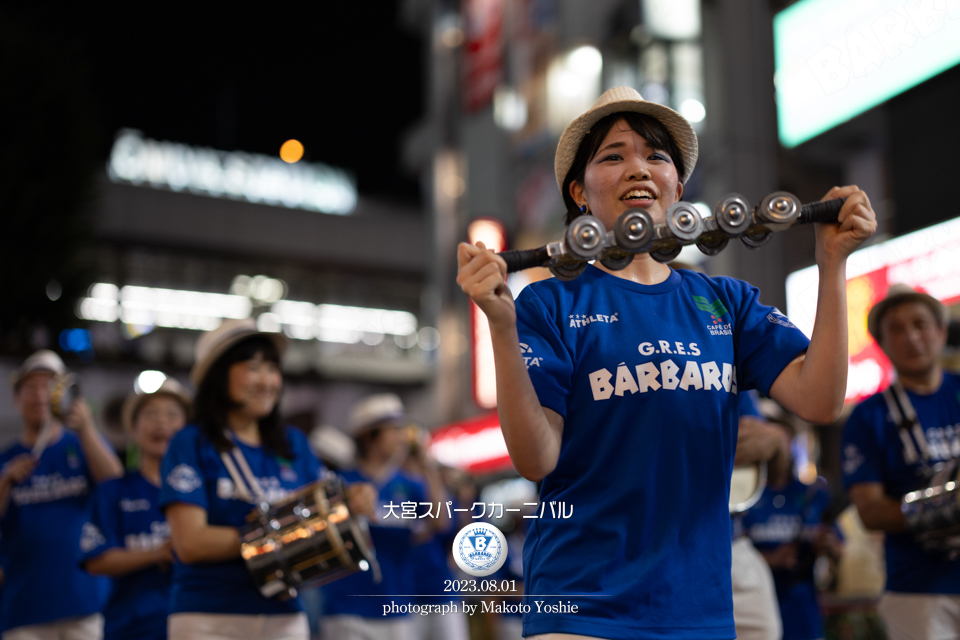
134 401
374 410
616 100
213 344
43 360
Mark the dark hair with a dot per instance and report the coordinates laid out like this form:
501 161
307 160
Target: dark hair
213 400
365 439
647 127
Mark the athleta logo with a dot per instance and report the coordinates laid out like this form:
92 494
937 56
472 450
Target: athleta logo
529 359
578 320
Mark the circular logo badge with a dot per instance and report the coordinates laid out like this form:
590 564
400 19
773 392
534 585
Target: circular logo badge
480 549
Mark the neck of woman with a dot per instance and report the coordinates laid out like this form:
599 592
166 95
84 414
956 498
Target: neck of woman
923 383
150 468
643 270
377 467
245 428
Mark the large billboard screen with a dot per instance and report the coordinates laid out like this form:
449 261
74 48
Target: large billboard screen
926 260
836 59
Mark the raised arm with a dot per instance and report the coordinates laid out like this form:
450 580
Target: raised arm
532 432
813 385
101 460
195 541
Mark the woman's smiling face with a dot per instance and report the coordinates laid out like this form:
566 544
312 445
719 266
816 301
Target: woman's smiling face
625 173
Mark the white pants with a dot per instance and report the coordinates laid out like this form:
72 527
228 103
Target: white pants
86 628
343 627
452 626
755 609
919 616
221 626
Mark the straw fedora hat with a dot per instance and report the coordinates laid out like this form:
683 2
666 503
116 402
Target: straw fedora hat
625 99
133 402
213 344
898 294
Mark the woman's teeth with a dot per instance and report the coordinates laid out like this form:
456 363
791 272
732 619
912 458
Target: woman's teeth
638 194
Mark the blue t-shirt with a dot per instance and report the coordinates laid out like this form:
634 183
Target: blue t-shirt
193 473
792 515
646 378
125 514
873 452
40 531
392 540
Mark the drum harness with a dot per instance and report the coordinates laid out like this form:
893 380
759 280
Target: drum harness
909 429
246 483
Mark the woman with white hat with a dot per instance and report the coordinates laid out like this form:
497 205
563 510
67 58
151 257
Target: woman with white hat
126 536
630 420
234 454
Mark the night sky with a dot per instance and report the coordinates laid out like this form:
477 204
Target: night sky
342 77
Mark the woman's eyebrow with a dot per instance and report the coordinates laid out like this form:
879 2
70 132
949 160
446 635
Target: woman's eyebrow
612 145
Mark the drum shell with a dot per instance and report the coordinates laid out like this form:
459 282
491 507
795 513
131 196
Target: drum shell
933 513
306 540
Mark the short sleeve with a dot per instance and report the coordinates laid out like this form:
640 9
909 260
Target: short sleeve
307 463
766 341
100 530
181 472
860 458
547 358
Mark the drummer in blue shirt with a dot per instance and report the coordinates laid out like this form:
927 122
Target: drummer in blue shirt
45 480
126 536
236 422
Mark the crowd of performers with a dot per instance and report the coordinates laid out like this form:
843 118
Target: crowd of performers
636 422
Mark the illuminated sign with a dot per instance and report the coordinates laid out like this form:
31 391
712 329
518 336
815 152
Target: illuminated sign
493 236
475 445
148 307
837 58
926 260
235 175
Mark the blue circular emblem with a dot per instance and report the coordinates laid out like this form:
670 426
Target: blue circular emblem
480 549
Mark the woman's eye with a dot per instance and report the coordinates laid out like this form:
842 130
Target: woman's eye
658 156
612 156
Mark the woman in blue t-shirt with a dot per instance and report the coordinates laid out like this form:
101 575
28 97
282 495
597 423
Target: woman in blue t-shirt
236 422
622 396
126 536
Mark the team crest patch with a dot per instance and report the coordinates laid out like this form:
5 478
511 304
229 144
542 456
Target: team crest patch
184 478
90 537
480 549
778 318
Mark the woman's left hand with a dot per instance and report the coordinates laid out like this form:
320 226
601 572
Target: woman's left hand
857 223
362 499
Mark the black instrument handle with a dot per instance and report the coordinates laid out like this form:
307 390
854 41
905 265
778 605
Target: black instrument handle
821 212
520 259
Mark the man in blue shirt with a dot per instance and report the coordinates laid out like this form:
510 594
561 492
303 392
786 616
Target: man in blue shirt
45 479
891 444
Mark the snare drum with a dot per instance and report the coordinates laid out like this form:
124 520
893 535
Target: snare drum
306 540
933 513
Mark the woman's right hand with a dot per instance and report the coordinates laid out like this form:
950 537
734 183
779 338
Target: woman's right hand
481 275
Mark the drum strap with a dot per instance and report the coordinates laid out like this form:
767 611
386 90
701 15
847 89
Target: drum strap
243 478
905 417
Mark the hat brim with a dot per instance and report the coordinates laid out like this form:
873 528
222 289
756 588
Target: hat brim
202 367
877 312
679 128
133 402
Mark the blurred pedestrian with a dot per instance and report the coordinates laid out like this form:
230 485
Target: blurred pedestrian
236 419
349 612
893 443
126 536
45 482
